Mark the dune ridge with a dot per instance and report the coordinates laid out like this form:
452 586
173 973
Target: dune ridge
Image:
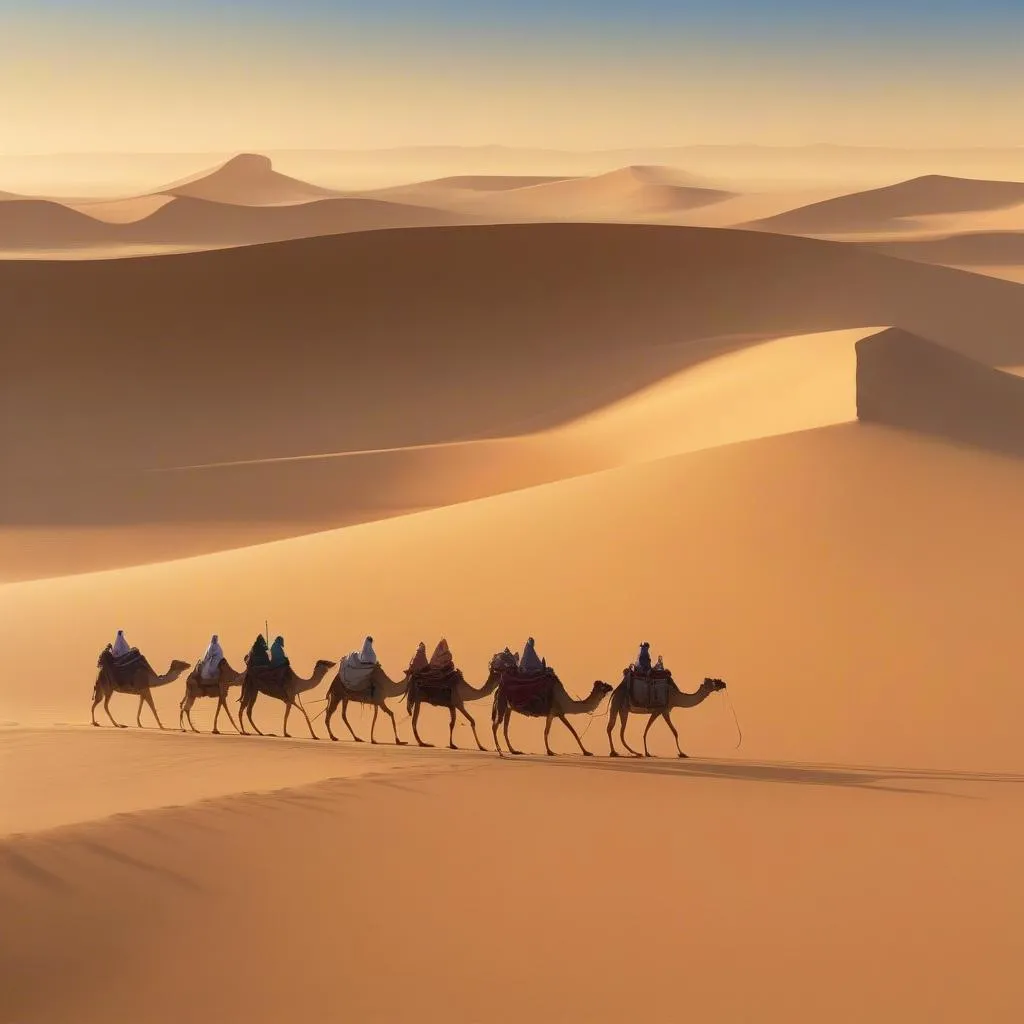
893 207
909 382
248 178
970 248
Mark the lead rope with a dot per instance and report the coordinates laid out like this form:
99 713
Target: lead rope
739 731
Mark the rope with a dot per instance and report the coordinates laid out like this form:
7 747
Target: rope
739 731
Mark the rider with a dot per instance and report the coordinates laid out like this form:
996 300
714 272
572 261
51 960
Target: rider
120 647
643 661
367 656
278 659
441 660
530 662
419 660
660 666
258 657
210 666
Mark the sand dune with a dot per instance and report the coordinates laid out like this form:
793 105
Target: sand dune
988 248
839 579
248 179
556 303
894 207
905 381
40 223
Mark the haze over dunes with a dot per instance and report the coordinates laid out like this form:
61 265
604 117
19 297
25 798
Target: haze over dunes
893 207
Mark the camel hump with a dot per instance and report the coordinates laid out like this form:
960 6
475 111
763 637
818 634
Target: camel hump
648 690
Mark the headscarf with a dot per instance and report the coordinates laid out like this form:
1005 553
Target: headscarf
367 655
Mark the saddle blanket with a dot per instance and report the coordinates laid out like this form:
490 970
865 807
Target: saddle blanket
529 694
648 691
356 674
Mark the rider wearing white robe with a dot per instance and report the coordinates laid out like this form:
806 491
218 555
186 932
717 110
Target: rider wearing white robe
367 655
120 645
210 668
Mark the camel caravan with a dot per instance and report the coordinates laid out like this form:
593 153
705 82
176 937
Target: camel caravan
518 684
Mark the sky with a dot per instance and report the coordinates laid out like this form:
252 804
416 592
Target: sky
201 75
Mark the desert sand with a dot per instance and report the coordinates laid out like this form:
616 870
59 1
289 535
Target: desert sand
791 463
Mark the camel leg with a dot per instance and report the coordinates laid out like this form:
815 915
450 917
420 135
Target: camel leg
668 720
575 735
373 723
508 742
613 717
287 712
647 729
472 725
494 730
305 715
332 706
188 715
138 717
222 703
97 696
181 715
451 730
394 725
248 710
415 719
547 729
148 698
106 707
622 733
344 718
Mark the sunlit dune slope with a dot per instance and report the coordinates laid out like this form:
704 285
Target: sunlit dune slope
247 179
895 206
847 582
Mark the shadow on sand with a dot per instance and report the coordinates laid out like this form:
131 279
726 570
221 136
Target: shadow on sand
877 779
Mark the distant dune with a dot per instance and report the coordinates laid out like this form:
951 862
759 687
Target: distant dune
624 193
42 224
186 221
894 206
248 179
908 382
981 248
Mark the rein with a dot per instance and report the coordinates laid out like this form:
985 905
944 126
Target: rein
739 731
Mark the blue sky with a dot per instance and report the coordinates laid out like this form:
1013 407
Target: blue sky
389 72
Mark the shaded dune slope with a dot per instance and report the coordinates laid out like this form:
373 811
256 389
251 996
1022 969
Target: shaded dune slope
43 224
248 178
348 343
908 382
894 205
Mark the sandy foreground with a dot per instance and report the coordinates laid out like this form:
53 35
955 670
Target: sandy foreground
461 888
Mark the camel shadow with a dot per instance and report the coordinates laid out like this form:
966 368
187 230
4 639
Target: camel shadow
872 778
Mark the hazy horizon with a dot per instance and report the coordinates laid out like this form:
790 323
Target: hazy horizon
313 75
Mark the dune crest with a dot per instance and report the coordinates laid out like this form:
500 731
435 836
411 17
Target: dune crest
893 207
247 179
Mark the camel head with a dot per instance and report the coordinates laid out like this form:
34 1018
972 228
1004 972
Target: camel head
179 666
105 655
712 685
601 687
322 667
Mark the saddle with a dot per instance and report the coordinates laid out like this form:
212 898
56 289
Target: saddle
434 686
124 666
648 690
530 694
269 679
356 676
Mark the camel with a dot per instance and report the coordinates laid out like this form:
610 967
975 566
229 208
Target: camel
140 679
281 684
621 708
561 704
460 692
377 692
196 687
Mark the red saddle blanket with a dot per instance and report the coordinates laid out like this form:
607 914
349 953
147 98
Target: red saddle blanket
649 690
529 694
433 686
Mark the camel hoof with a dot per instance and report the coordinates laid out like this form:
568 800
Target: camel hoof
125 727
422 744
335 739
451 746
614 753
401 743
587 753
215 732
681 754
519 753
551 753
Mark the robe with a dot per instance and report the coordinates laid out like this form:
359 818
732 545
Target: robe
210 668
529 662
120 645
367 655
419 660
643 662
258 655
277 655
441 660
